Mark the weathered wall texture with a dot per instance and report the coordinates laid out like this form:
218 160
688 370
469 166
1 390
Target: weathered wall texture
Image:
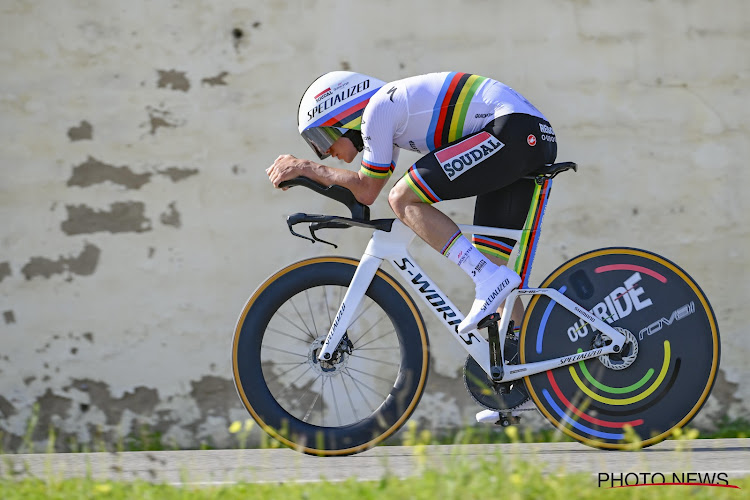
135 216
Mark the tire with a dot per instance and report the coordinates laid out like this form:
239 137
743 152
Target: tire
345 407
675 365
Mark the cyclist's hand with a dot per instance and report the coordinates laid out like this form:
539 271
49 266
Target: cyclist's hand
284 168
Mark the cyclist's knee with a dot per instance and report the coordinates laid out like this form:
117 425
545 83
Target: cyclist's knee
400 197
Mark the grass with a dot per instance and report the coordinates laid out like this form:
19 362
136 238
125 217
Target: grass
459 479
455 477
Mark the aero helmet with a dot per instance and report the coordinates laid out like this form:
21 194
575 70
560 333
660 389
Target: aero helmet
332 105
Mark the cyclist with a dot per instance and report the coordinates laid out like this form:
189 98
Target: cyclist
478 136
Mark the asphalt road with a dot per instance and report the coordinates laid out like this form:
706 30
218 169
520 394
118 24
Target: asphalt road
194 467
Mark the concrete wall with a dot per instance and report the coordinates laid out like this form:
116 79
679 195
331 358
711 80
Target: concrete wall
135 216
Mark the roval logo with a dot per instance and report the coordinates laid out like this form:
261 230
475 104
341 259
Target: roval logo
459 158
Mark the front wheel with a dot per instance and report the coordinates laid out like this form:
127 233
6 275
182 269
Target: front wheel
667 367
355 400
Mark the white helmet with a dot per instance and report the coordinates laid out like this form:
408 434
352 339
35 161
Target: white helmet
332 105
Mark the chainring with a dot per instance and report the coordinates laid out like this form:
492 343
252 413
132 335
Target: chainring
485 392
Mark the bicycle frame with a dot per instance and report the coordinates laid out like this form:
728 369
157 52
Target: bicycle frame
392 246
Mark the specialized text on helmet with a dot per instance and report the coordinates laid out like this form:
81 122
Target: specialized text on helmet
338 98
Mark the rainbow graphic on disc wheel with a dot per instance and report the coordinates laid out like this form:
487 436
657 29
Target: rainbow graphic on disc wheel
662 308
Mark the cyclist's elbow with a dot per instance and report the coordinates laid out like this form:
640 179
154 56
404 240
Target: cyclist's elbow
367 197
368 189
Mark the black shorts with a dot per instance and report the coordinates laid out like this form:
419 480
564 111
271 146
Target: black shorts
489 164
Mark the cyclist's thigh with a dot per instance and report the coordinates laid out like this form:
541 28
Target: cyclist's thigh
482 162
506 207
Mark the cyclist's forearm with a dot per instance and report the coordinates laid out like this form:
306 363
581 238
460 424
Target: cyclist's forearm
364 188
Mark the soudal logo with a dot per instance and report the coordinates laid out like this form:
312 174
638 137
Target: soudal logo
458 159
531 139
323 94
333 99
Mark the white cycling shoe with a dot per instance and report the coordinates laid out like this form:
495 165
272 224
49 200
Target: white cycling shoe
490 293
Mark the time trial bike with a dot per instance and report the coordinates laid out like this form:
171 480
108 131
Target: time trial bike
330 355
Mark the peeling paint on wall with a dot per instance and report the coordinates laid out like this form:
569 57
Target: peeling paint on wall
93 171
172 79
82 132
215 80
6 409
123 217
214 395
159 118
171 217
9 317
141 400
178 174
84 264
50 405
725 392
4 270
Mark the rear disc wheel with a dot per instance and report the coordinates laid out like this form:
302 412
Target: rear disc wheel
664 374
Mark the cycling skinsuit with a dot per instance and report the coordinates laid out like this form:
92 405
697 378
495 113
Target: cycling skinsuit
479 137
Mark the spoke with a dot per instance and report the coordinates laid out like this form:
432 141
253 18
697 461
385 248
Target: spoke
269 380
396 348
375 360
384 335
286 335
349 397
292 384
370 375
314 400
283 316
328 308
301 319
335 403
282 350
369 329
352 322
309 306
356 386
359 382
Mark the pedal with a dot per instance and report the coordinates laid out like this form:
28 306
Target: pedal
497 418
508 420
489 320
